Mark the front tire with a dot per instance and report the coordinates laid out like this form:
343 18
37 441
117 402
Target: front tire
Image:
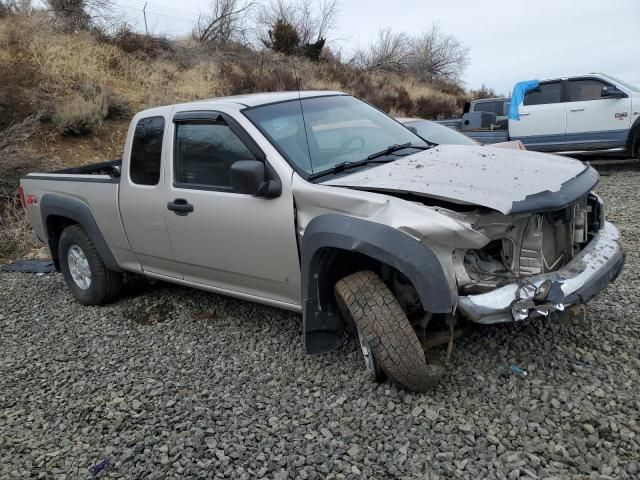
84 272
385 329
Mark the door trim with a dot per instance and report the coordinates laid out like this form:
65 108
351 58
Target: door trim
230 293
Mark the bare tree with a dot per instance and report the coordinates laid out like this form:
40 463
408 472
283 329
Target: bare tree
224 21
327 14
435 55
389 52
15 7
431 56
313 22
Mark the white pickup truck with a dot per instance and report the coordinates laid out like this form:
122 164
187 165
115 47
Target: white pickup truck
319 203
585 113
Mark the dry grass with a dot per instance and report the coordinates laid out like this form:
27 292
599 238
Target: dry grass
16 236
86 86
67 63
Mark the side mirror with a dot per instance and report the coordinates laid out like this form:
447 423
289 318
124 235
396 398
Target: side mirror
612 92
413 129
250 178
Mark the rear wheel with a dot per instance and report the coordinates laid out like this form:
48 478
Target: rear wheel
388 342
84 272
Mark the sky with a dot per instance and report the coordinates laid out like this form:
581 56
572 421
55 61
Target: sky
509 40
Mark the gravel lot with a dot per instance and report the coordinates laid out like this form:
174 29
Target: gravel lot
170 382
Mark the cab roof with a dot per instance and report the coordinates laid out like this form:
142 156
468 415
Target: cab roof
257 99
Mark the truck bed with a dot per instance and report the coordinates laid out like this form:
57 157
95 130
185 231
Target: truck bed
485 136
95 186
110 168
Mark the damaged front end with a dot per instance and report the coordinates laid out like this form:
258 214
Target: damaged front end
537 264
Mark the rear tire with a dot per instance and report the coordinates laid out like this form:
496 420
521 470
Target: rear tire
365 299
84 272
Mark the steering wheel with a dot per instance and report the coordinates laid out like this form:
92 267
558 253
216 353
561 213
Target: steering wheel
350 140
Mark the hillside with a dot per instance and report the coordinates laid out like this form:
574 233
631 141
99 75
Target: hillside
86 86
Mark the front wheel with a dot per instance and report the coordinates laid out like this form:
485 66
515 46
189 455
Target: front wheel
389 343
84 272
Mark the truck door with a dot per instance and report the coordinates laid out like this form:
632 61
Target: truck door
141 197
232 242
542 121
595 121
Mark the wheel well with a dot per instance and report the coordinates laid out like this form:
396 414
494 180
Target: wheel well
55 225
336 264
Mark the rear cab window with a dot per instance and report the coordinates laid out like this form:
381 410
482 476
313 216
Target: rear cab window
146 151
489 107
546 93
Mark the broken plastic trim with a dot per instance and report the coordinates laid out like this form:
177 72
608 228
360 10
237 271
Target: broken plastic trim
569 192
588 273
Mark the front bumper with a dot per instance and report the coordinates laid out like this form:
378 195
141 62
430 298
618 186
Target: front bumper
587 274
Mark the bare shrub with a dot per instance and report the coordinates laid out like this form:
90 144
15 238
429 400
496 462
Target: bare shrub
482 92
18 132
388 52
81 115
74 15
16 236
130 41
117 107
435 106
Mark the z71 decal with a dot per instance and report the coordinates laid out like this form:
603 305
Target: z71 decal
621 115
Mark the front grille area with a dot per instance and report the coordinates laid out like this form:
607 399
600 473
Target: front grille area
538 243
551 239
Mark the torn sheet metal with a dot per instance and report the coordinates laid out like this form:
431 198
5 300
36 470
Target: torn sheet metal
583 277
505 180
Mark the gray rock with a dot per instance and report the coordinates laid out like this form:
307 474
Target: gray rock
215 384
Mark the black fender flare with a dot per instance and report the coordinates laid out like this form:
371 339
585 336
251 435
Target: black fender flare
322 325
80 213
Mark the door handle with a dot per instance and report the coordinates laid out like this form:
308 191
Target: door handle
180 207
577 109
524 114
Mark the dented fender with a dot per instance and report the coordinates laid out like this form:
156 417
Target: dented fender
416 240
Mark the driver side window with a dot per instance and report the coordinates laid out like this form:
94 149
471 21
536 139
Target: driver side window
585 89
204 153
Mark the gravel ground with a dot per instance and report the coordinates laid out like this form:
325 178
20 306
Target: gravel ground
171 382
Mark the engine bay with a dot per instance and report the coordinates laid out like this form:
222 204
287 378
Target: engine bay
525 245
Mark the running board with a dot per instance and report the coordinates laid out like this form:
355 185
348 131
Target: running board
611 151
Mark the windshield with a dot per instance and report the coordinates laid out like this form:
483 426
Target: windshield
436 133
338 129
633 88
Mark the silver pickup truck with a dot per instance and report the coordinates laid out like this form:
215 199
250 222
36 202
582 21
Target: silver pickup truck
319 203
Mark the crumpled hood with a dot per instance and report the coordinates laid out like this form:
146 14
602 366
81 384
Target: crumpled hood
509 181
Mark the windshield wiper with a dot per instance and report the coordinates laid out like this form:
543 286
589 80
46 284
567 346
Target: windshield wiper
373 158
394 148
